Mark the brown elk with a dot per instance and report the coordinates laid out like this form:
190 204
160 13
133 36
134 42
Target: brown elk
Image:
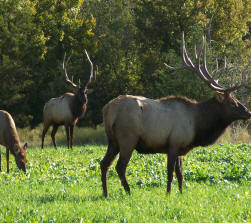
67 109
171 125
10 139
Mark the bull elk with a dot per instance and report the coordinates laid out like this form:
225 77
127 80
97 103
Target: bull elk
67 109
171 125
10 139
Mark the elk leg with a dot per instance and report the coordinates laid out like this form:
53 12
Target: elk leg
67 130
170 168
121 168
43 135
105 164
8 159
71 135
178 170
53 133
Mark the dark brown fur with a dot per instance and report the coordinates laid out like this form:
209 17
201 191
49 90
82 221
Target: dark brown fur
78 108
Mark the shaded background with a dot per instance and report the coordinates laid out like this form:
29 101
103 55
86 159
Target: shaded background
129 40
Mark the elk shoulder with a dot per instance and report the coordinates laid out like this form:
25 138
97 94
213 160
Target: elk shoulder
157 123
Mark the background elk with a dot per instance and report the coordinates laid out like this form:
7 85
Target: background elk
10 139
67 109
171 125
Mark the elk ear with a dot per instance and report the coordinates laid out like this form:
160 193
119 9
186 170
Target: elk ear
89 91
25 146
220 97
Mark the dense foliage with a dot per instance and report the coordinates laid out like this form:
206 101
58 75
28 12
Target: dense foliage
65 186
128 40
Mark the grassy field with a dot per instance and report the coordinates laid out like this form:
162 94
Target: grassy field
85 135
65 186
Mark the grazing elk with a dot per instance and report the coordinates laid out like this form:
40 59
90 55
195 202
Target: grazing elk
170 125
10 139
67 109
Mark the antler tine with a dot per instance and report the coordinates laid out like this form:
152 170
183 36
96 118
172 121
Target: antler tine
184 57
183 50
205 73
217 65
195 52
225 62
65 71
202 71
91 75
214 84
244 79
95 73
207 78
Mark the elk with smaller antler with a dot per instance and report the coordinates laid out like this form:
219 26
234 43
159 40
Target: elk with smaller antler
10 139
171 125
67 109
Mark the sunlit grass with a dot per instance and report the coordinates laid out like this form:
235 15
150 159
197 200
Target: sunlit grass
64 186
87 135
81 135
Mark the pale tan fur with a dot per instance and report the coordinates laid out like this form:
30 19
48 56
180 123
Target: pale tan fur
154 122
58 110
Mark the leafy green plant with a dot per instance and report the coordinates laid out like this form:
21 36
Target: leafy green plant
64 186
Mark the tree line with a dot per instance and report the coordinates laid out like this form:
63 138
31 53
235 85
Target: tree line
129 40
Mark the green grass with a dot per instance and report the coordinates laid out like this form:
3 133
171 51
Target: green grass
87 135
82 135
65 186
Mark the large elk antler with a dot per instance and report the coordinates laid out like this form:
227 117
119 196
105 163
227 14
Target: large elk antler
202 71
65 71
92 75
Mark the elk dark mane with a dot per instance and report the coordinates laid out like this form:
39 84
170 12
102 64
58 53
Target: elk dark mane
78 108
210 122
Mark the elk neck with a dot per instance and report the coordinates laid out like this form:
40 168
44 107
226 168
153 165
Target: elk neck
210 122
78 106
13 143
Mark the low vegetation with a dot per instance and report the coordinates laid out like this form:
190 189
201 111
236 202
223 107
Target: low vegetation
65 186
81 136
238 134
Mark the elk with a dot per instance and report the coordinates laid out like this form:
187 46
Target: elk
67 109
171 125
10 139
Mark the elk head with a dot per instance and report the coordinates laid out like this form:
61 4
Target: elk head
81 91
231 108
20 157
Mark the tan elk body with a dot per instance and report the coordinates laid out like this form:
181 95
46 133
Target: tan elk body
10 139
171 125
67 109
153 121
59 110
